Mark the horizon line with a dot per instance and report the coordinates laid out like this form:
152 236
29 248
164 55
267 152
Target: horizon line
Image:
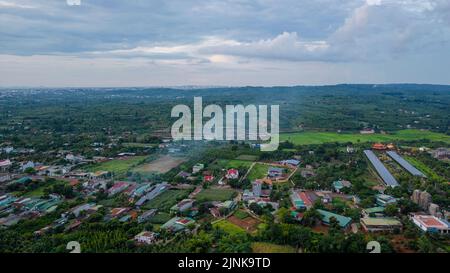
215 86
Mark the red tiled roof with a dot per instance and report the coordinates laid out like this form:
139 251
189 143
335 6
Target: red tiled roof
183 221
430 221
378 146
74 182
208 177
305 198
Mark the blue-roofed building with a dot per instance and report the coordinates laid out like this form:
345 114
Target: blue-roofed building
405 164
381 169
23 180
141 190
291 162
178 224
7 200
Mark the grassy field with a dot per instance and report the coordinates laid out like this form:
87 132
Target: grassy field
258 171
241 214
213 194
228 227
259 247
160 218
423 168
117 166
233 164
306 138
166 200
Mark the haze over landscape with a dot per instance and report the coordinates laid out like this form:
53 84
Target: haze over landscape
223 42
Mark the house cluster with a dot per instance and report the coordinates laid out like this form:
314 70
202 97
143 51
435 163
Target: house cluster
441 153
14 209
372 220
305 199
72 218
11 151
122 214
260 193
150 193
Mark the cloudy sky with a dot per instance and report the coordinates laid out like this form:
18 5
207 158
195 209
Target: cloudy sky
223 42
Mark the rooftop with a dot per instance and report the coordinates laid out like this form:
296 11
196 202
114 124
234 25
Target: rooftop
326 216
381 169
430 221
374 210
372 221
405 164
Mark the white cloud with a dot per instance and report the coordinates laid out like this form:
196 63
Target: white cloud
222 38
9 4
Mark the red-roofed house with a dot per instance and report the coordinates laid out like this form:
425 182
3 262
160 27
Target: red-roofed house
5 164
116 212
208 178
117 188
74 182
301 200
232 174
379 146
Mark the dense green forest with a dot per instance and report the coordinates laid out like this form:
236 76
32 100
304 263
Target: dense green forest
58 116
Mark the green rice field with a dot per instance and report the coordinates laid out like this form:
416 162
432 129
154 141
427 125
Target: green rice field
307 138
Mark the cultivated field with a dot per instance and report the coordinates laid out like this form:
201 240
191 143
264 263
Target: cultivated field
161 165
306 138
248 224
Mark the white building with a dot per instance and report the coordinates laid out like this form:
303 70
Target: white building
430 223
146 237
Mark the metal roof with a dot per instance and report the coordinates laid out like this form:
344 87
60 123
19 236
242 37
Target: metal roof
342 220
405 164
381 169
